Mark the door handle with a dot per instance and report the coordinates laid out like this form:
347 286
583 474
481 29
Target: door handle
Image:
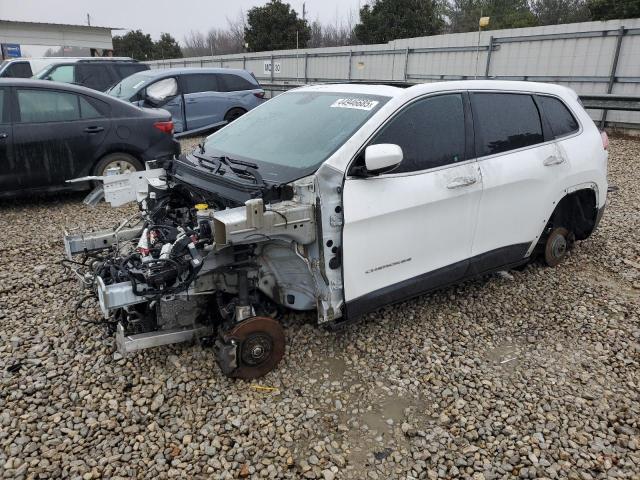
553 160
3 135
461 182
93 129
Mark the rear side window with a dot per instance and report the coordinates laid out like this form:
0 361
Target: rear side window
199 82
234 83
93 76
125 69
430 132
505 121
560 119
47 106
19 70
92 108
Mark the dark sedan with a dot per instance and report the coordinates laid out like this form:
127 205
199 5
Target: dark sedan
51 132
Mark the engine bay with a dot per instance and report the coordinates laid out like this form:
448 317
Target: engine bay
195 262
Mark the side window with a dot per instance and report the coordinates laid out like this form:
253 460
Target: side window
558 115
199 82
163 89
47 106
19 70
93 76
62 73
235 83
430 132
505 121
126 69
92 108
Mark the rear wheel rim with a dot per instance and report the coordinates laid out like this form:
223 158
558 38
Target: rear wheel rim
234 115
122 166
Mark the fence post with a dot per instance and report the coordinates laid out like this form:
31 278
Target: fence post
486 70
306 57
406 63
614 66
244 62
350 56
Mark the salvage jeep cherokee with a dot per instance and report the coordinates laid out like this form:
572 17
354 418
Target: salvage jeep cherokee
342 199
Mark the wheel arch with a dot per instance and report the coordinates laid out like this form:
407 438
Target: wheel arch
575 208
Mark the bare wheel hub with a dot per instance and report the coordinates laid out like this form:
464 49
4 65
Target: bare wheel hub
259 345
556 247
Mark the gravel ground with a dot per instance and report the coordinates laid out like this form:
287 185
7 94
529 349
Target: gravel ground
529 374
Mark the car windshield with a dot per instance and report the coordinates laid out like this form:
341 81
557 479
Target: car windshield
129 86
291 135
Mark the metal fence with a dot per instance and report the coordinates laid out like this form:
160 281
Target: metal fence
593 58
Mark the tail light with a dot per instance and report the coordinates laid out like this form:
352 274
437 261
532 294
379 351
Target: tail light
164 127
259 94
605 140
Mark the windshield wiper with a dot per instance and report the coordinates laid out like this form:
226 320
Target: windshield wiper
250 169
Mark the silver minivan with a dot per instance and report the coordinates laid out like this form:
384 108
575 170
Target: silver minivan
199 99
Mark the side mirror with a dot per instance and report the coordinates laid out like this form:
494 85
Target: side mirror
382 158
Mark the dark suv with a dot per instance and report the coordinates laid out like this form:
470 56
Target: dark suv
98 75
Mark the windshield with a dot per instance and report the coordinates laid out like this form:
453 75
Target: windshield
291 135
129 86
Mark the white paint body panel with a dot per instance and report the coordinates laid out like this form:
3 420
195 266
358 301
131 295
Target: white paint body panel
401 226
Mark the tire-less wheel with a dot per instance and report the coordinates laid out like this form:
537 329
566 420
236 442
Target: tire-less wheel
234 114
557 245
258 346
118 162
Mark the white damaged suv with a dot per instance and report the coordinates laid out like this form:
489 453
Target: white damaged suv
342 199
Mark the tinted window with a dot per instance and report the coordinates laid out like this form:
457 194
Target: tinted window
19 70
200 82
47 106
430 133
126 69
62 73
91 108
505 121
93 76
234 83
560 118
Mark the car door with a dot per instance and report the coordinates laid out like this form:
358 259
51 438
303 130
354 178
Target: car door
52 142
521 172
204 104
7 164
165 93
411 230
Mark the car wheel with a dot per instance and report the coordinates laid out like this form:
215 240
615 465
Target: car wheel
124 162
234 114
557 246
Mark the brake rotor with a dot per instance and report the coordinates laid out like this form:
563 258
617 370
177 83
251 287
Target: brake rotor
556 247
260 342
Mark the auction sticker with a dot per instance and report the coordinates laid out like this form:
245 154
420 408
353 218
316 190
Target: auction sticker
357 103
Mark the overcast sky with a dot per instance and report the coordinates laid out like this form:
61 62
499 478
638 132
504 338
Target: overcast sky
156 16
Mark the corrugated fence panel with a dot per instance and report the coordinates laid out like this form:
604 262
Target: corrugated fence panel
579 55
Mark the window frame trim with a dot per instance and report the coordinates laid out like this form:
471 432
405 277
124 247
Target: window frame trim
469 137
546 142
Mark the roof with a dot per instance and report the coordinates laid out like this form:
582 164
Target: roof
62 24
424 88
156 72
69 87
